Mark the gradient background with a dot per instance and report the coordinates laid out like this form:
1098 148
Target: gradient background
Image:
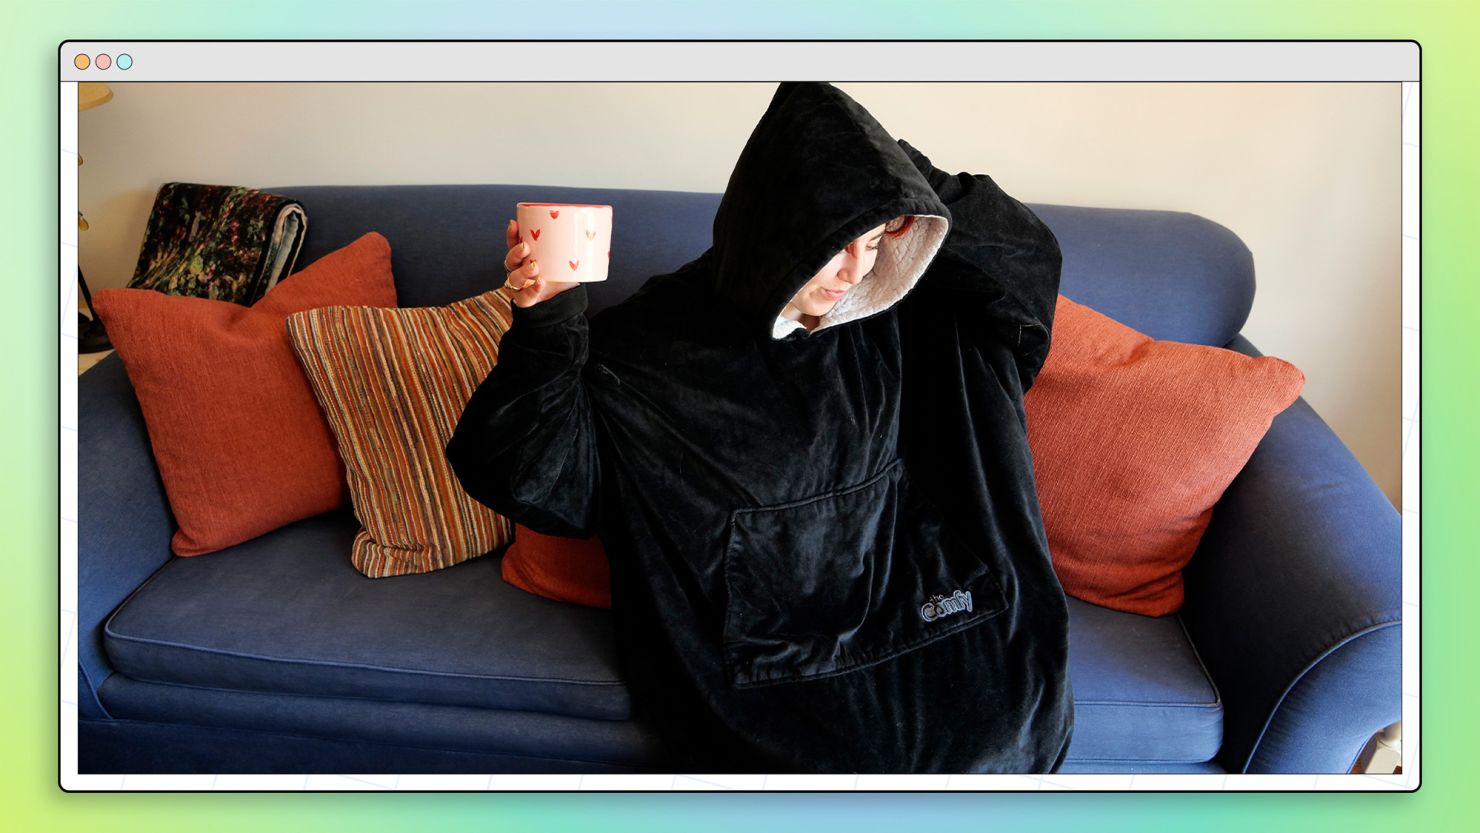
28 757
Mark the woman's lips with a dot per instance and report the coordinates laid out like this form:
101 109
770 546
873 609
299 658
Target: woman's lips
833 296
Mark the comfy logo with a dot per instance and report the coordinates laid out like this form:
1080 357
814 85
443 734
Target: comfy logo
941 606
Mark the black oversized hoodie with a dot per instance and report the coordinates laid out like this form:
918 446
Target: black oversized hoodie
826 549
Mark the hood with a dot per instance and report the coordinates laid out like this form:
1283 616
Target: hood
816 173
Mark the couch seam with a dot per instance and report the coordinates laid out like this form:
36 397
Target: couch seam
1131 761
108 620
1304 672
266 693
362 666
1202 666
1206 706
94 690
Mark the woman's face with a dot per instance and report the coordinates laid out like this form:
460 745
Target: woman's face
840 275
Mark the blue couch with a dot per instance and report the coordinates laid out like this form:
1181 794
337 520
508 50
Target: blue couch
277 656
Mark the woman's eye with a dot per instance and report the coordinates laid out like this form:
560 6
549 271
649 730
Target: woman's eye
873 248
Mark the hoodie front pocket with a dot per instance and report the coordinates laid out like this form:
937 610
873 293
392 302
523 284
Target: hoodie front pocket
827 584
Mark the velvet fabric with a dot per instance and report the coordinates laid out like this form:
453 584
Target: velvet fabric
826 550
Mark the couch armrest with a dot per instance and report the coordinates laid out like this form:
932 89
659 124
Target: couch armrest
123 518
1294 602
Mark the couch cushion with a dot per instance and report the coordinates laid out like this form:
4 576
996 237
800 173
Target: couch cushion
288 613
1141 693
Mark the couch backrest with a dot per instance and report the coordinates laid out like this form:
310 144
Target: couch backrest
1169 274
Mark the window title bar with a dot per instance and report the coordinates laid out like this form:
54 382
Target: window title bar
838 61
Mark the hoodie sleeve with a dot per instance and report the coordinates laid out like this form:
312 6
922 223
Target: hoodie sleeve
999 266
525 445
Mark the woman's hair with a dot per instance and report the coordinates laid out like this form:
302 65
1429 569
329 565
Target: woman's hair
899 225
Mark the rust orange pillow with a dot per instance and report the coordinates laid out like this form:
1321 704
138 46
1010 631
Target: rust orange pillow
1133 441
241 445
563 569
393 383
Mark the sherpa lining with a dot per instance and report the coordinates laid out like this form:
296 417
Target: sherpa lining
897 269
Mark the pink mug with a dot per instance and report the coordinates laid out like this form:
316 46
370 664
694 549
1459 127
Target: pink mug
572 241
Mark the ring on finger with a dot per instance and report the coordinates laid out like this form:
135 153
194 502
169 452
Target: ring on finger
524 281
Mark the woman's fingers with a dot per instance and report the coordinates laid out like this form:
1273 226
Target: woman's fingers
529 270
515 258
521 270
523 283
517 250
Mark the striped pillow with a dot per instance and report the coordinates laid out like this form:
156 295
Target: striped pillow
392 384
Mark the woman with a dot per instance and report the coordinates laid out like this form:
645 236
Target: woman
806 456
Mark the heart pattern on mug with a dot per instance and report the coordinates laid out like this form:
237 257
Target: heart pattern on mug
591 236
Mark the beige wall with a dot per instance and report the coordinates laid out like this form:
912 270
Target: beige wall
1306 174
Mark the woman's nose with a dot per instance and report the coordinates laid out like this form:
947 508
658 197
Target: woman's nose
848 269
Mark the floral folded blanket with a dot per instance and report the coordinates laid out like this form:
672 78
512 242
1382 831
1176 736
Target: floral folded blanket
222 242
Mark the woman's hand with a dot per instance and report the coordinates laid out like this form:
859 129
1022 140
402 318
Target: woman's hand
524 286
